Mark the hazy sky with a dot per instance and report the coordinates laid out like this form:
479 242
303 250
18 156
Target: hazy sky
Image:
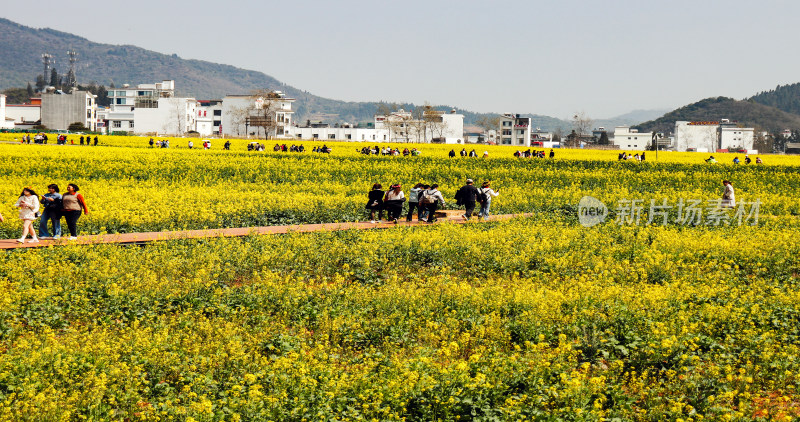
544 57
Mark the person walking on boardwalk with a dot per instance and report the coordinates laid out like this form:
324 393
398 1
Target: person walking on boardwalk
485 194
467 196
72 204
413 202
52 209
431 198
28 204
375 202
393 202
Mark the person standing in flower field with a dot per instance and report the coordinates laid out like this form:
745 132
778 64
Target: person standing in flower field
728 197
73 203
52 209
28 204
375 202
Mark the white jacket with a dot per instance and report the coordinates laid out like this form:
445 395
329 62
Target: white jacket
28 207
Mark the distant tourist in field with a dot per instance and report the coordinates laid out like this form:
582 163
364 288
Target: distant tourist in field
52 211
636 156
728 196
747 159
413 201
431 198
758 160
81 139
393 202
191 144
485 154
467 196
452 153
227 145
375 202
151 142
28 204
641 157
485 194
415 152
96 141
463 152
736 160
473 154
72 205
552 153
711 160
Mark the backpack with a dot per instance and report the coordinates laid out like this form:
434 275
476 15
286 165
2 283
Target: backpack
427 199
483 196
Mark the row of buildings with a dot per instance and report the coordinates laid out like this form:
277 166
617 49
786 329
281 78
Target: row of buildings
155 109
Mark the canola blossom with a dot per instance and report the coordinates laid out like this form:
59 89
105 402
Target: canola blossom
529 319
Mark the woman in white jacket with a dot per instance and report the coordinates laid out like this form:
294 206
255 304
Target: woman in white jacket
28 204
486 193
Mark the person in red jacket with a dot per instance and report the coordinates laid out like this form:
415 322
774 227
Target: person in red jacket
73 203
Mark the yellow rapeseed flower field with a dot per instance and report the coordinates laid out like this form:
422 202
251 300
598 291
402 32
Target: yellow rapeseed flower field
535 318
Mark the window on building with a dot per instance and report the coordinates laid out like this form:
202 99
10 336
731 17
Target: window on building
348 136
331 136
218 112
315 135
120 101
506 141
217 122
506 123
130 124
507 132
116 124
88 114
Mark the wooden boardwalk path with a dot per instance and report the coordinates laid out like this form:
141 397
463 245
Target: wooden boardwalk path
451 216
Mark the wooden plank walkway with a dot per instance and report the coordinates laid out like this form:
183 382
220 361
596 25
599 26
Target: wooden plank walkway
451 216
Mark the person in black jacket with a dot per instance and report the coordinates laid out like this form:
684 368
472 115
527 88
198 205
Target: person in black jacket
375 202
467 196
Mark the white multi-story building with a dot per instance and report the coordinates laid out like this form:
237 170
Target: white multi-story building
631 139
696 136
208 120
25 114
434 126
515 130
711 136
150 108
240 115
173 116
5 124
736 138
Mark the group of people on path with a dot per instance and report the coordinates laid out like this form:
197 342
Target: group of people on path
425 199
534 154
53 205
747 160
464 153
41 138
623 156
392 151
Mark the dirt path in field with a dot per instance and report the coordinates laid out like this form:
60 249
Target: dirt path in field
451 216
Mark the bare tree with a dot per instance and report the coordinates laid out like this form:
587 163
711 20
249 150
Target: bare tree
489 123
238 117
581 123
434 122
263 111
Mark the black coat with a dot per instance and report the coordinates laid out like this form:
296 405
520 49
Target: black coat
467 193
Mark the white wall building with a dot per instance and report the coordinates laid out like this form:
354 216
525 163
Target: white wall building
24 113
208 120
631 139
355 134
696 136
735 138
239 111
515 130
171 116
5 124
435 126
